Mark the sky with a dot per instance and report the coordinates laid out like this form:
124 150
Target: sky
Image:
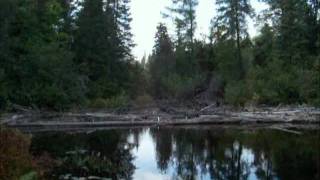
146 15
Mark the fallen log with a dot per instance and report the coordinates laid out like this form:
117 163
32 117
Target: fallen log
287 130
207 107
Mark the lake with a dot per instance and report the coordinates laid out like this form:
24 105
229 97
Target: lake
180 153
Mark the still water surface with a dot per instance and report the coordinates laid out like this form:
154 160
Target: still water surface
182 153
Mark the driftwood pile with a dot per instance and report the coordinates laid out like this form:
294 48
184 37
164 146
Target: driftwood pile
166 115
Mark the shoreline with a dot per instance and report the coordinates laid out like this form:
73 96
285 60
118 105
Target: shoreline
285 127
170 116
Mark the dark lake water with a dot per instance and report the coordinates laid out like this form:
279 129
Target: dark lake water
182 153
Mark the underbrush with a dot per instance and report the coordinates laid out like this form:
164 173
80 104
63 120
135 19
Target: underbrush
118 101
143 100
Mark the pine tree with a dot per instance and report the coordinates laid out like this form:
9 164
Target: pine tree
295 28
184 14
264 46
162 61
123 21
38 70
96 47
313 25
231 19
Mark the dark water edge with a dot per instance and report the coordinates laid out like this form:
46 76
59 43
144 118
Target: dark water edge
180 153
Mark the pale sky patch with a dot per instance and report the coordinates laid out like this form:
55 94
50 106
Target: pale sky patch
147 15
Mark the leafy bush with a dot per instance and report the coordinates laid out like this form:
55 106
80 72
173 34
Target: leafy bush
181 87
274 84
29 176
143 100
237 93
98 103
118 101
310 84
3 93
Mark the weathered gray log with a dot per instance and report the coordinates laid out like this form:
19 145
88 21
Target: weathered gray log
177 116
286 130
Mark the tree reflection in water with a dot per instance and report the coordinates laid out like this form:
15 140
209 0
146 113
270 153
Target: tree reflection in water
99 154
181 153
230 154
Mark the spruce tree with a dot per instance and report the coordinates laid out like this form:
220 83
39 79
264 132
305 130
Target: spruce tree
161 62
37 68
296 29
231 18
124 29
184 14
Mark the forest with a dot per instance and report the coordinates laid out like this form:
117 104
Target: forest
62 54
77 103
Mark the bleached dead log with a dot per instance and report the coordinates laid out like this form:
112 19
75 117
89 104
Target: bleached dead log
286 130
207 107
20 108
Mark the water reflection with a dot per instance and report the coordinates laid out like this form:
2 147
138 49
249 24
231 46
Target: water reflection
103 154
179 153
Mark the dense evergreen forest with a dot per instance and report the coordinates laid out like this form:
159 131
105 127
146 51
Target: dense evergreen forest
60 54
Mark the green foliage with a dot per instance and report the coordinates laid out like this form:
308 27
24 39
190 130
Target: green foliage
60 54
183 87
225 60
103 154
237 93
161 63
38 69
231 24
29 176
102 47
184 15
278 87
175 72
54 56
143 100
137 83
96 45
232 15
261 86
309 81
98 103
118 101
3 93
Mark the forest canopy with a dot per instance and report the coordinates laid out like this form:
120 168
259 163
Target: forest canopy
60 54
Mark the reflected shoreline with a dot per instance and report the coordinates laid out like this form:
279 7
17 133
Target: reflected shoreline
189 152
252 126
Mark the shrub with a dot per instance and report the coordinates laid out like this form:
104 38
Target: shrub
117 101
98 103
237 93
143 100
182 87
309 81
277 83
